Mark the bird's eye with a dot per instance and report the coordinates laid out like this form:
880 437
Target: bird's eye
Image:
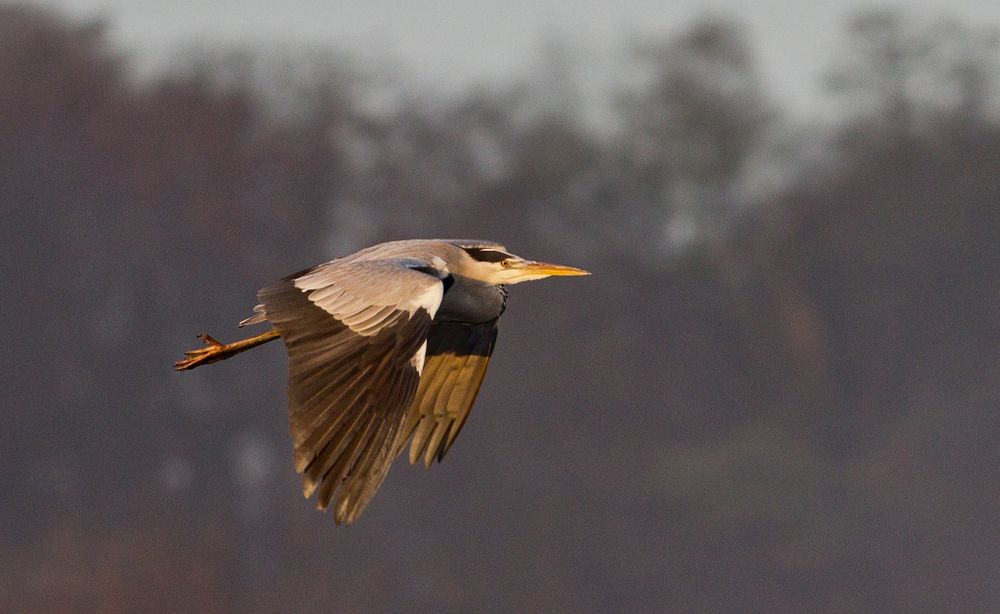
505 264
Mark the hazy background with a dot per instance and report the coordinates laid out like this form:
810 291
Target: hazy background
778 392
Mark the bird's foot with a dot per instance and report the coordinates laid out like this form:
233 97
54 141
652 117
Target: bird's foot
212 352
215 351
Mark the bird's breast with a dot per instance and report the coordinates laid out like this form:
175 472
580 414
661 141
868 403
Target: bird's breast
467 300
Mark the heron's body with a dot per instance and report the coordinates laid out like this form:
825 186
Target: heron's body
386 346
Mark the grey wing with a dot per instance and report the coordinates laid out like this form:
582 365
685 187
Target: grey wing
356 334
454 366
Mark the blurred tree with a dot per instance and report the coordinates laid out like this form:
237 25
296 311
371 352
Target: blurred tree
135 214
692 128
898 76
61 89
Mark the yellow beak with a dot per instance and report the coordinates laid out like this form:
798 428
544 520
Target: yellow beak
545 268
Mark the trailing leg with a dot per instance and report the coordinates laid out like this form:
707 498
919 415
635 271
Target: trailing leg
215 351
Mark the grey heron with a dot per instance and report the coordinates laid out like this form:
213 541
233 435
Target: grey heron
385 346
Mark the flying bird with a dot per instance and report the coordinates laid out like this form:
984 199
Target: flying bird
386 346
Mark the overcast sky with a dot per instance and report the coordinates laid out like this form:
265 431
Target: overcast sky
453 43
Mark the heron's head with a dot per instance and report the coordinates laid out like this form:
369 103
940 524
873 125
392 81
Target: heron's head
495 265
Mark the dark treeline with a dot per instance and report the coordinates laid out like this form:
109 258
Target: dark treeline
778 392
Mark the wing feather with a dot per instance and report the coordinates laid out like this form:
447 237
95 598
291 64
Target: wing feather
455 364
352 330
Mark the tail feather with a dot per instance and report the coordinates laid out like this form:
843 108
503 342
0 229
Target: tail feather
257 317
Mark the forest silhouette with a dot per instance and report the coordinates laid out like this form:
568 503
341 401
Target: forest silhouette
777 392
